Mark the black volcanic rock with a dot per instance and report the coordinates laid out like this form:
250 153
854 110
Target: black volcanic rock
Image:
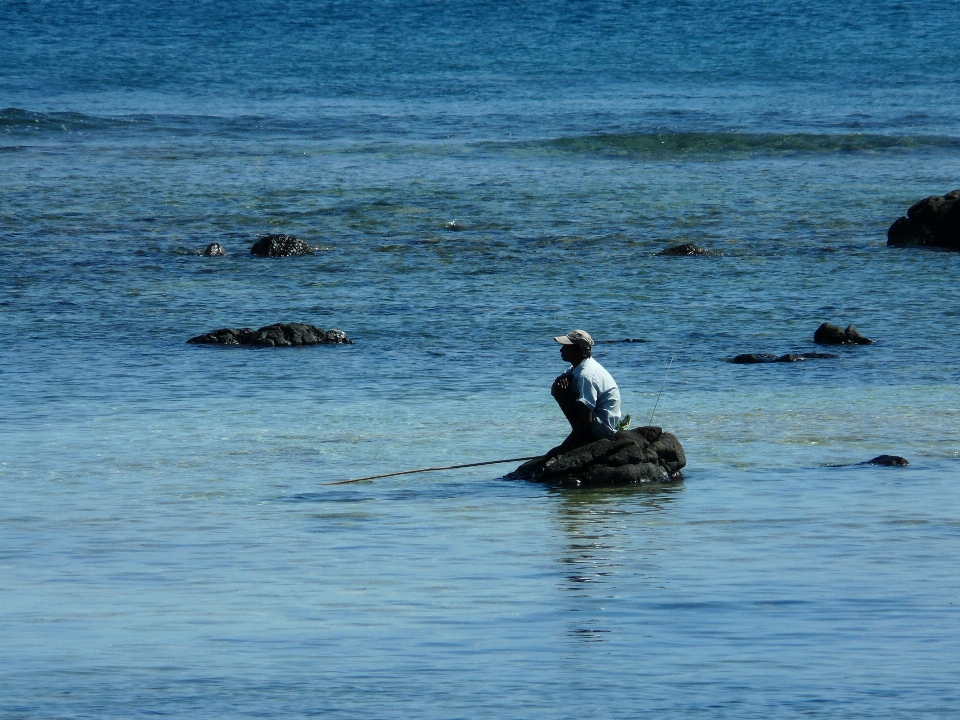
754 358
687 249
214 250
932 222
757 358
887 461
276 335
830 334
280 246
640 456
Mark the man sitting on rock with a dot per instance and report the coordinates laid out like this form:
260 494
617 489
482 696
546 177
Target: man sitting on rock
586 393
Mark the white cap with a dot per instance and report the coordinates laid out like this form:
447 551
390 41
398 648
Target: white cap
576 337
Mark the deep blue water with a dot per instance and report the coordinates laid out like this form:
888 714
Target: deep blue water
166 544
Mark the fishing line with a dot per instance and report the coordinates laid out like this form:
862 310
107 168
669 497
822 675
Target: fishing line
650 422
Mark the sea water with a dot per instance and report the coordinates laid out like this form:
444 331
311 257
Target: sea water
167 543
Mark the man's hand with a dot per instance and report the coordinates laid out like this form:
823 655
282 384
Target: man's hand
561 384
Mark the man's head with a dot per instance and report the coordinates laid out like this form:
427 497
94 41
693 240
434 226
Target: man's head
575 346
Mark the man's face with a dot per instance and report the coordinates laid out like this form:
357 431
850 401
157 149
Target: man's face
570 353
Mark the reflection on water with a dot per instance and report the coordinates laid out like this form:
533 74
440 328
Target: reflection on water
603 526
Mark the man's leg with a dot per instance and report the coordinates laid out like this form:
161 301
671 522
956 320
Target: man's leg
565 394
576 413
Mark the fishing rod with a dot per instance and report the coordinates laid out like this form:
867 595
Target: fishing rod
650 422
487 462
431 469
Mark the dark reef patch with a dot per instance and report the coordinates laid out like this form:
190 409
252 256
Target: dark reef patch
887 461
688 250
759 358
829 334
276 335
280 246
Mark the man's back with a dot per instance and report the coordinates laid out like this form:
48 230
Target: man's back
599 392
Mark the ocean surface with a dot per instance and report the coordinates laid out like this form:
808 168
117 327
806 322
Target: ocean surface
167 544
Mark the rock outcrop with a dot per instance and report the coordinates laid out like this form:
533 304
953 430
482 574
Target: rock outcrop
887 461
214 250
932 222
757 358
280 246
687 249
829 334
276 335
640 456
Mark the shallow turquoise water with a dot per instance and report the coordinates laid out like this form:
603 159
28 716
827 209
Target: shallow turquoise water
166 544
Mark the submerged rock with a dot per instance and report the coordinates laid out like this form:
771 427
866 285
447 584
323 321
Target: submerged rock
276 335
454 226
887 461
280 246
932 222
214 250
639 456
687 249
756 358
830 334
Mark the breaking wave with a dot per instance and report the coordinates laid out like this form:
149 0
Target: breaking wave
18 120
